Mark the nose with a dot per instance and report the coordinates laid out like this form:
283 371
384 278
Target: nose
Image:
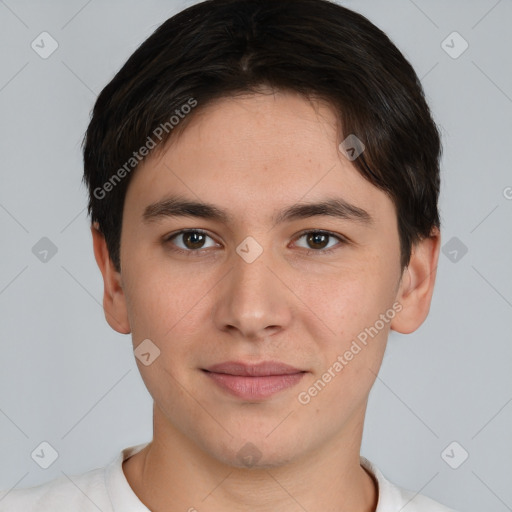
253 301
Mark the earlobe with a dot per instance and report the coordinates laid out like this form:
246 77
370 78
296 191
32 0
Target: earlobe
417 284
114 301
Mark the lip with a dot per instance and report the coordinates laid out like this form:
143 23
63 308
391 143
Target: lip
263 369
254 381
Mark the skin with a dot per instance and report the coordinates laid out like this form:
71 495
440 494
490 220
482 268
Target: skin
253 156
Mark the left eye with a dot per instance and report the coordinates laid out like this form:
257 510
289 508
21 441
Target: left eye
318 240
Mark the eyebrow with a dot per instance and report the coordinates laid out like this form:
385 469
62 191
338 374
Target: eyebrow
176 206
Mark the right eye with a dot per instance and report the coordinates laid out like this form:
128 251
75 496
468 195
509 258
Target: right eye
190 240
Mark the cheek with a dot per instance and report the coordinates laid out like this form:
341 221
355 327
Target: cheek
166 309
351 299
349 360
162 301
358 309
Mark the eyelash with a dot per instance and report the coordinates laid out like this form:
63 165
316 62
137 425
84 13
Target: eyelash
191 252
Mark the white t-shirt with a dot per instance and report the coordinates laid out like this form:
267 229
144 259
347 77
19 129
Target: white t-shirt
106 489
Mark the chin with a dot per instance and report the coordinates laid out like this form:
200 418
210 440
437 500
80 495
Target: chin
257 453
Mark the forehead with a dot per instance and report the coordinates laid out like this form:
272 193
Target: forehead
278 119
257 152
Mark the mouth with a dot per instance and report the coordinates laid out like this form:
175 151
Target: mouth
254 381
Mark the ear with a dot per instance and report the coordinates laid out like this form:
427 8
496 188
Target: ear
114 301
417 284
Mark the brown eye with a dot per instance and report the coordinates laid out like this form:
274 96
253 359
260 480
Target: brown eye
317 240
191 240
320 241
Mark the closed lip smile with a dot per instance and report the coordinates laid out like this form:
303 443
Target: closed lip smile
254 381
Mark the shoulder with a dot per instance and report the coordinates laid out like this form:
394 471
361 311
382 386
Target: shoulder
419 503
104 489
84 493
394 499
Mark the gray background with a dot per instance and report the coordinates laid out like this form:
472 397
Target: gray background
68 379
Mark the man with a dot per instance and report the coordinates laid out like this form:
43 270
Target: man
263 180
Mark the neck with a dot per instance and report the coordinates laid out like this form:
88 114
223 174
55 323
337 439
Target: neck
173 473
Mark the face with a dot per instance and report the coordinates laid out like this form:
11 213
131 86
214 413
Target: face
258 276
